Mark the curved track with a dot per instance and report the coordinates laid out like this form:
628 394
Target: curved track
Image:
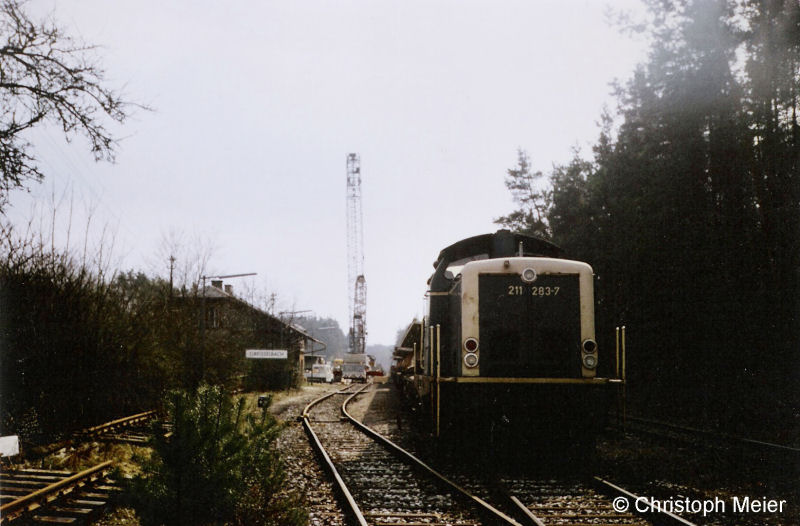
384 484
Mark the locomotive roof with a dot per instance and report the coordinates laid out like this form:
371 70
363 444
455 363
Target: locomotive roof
502 243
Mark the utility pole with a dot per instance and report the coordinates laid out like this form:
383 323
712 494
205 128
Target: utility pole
356 282
171 269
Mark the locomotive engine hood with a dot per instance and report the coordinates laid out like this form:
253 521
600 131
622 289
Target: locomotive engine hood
502 243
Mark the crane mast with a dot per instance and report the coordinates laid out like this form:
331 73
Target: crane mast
356 283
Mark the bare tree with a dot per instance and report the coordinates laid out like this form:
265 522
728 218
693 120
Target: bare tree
188 256
46 76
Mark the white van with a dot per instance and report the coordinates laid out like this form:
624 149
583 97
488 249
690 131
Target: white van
321 372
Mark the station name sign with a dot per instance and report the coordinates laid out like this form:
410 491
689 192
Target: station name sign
266 354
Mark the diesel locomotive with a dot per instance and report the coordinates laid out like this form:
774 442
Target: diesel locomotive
507 347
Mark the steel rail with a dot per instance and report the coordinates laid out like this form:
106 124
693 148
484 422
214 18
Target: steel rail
525 511
714 435
102 428
355 511
664 517
42 450
31 501
485 506
659 516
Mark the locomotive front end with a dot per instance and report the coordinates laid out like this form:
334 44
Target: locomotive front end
525 317
508 348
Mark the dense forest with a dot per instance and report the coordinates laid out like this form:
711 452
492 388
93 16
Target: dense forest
689 212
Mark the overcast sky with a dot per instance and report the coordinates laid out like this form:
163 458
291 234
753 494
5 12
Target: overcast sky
257 104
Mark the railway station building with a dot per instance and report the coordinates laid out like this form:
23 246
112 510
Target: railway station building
229 326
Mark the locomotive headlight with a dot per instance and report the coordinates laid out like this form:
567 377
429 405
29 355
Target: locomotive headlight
589 361
471 345
529 275
471 359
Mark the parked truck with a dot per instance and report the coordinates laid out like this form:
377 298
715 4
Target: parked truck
355 367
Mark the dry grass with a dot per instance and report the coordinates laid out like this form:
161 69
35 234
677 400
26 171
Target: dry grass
88 454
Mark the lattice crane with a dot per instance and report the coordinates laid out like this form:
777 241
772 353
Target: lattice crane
356 283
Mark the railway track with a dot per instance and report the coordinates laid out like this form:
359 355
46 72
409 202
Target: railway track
546 501
132 429
55 497
579 503
692 435
381 483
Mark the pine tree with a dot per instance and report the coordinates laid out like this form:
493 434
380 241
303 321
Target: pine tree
217 466
531 195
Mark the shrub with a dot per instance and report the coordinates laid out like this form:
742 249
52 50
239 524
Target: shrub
218 466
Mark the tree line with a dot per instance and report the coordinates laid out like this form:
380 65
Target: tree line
689 211
80 345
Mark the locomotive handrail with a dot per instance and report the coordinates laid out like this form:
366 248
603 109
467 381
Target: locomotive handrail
438 376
